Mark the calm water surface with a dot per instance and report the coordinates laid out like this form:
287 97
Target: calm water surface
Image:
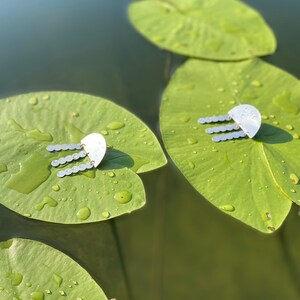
178 246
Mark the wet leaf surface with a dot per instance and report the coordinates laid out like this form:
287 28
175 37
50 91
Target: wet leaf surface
253 180
32 270
30 185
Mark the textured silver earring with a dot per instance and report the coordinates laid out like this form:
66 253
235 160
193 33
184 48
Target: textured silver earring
93 146
247 123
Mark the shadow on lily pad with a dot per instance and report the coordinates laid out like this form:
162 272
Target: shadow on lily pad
273 135
116 159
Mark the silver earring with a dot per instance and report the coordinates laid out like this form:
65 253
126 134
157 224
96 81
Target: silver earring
247 123
93 146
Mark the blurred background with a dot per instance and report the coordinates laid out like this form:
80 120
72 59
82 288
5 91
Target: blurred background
178 246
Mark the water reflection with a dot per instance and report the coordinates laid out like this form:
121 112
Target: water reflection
178 246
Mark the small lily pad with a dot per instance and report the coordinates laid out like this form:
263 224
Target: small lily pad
30 185
32 270
253 180
218 29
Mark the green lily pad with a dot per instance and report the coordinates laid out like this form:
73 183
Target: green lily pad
32 270
211 29
30 186
253 180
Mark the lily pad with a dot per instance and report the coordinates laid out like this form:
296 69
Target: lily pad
253 180
211 29
30 185
32 270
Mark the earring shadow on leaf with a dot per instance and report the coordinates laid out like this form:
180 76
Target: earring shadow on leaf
270 134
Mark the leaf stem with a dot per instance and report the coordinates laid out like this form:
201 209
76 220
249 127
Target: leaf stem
287 256
114 229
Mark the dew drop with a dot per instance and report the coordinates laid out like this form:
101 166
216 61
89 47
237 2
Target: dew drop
111 174
106 214
74 114
28 284
6 244
16 279
123 197
33 101
104 132
37 296
62 293
221 90
293 191
275 122
46 97
289 127
27 215
48 292
192 141
264 117
58 279
115 125
227 207
296 136
1 288
256 83
56 188
294 178
3 167
268 216
33 173
39 136
185 119
46 201
83 213
158 39
191 165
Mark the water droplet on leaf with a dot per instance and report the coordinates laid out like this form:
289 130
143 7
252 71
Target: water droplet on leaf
227 207
115 125
83 213
123 197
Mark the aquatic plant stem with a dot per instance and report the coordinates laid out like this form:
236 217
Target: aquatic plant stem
288 259
116 237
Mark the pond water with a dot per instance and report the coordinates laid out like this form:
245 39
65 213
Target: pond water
178 246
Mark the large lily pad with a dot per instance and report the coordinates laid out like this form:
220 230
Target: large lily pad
32 270
212 29
253 180
30 186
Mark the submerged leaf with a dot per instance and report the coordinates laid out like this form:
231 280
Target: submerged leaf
218 29
32 270
253 180
30 186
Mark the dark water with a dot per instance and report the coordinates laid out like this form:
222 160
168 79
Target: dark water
178 246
